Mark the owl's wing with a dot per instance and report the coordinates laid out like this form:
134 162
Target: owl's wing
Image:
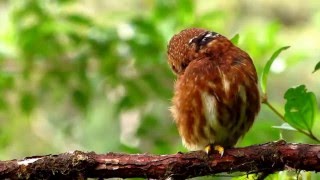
213 101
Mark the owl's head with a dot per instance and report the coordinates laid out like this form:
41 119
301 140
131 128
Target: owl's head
194 43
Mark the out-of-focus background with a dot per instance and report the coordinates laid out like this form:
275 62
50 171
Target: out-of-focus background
93 75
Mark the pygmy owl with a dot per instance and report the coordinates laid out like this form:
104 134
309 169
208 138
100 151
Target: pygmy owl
216 97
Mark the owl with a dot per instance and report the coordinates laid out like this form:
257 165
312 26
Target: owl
216 98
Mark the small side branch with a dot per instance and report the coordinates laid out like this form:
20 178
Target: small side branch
269 157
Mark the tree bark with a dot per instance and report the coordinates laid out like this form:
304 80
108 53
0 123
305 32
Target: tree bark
269 157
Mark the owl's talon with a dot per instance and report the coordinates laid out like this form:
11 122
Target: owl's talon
208 149
220 149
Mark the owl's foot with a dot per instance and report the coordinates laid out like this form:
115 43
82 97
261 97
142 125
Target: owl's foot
208 149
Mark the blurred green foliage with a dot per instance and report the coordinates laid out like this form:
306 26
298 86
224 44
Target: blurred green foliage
100 82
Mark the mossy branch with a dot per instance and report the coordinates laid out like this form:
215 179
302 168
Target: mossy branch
269 157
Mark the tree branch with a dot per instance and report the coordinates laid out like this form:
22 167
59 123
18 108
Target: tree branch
269 157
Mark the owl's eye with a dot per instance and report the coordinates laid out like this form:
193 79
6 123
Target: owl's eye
174 68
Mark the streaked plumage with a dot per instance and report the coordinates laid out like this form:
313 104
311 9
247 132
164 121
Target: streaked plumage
216 98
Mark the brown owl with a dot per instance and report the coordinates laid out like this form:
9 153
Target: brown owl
216 97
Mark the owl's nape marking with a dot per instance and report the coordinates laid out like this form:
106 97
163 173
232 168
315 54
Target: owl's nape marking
216 98
203 39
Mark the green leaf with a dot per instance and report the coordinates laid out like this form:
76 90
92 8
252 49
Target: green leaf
285 126
266 69
300 108
317 67
235 39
